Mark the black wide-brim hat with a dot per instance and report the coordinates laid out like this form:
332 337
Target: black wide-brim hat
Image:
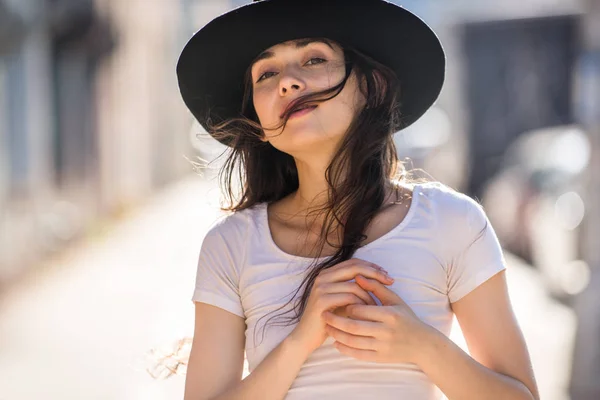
212 65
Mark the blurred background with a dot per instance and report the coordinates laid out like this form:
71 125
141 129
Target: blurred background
103 206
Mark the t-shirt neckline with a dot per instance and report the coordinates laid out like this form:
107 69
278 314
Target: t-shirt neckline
266 230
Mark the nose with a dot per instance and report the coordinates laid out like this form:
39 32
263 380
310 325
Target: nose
289 83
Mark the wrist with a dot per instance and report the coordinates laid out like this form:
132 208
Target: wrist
296 346
430 340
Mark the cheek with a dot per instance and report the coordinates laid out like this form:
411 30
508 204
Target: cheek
261 107
341 110
346 105
354 94
266 104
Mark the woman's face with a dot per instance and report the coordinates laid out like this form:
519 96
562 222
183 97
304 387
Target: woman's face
289 70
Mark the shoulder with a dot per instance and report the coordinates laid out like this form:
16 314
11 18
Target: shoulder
454 211
233 226
446 199
459 221
226 240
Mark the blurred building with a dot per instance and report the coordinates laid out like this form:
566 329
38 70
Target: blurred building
91 122
510 70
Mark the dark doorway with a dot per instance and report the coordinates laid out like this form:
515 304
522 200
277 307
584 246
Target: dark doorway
518 77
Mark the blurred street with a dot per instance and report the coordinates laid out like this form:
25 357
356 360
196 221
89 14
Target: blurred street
80 327
101 223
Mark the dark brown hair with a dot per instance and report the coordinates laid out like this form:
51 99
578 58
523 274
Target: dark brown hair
359 174
361 170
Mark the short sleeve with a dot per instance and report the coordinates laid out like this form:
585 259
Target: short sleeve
217 276
479 255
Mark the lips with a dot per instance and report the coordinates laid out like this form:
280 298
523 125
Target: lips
304 109
291 105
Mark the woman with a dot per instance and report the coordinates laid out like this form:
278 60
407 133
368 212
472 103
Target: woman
335 273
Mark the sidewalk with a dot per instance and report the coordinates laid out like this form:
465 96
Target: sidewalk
80 327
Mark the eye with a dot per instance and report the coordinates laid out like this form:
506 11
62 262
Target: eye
312 61
265 76
315 60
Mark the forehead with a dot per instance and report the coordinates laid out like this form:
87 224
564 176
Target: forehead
296 43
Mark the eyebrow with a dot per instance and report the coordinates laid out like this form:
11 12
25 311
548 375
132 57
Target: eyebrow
300 43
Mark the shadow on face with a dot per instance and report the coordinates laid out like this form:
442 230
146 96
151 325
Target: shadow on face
288 71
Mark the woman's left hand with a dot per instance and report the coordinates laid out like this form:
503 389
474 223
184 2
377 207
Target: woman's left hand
390 333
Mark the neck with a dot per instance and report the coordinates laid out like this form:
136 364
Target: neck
313 190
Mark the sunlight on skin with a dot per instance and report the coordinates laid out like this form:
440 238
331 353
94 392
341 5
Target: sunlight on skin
292 72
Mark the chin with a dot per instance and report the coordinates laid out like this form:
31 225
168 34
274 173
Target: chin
293 141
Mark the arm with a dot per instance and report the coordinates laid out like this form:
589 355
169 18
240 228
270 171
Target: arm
500 367
331 290
392 333
217 356
273 377
216 359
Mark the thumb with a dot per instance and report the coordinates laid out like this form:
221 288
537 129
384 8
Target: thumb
383 293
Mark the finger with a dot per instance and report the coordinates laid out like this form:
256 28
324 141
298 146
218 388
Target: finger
352 287
350 272
352 261
353 326
334 300
383 293
357 342
365 312
364 355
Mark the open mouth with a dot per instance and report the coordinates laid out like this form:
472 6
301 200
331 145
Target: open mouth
302 111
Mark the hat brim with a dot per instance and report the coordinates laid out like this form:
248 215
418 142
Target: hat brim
212 64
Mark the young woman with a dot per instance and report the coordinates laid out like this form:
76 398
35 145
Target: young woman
335 273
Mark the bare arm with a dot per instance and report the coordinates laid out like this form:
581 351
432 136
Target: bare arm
500 367
217 355
273 377
216 358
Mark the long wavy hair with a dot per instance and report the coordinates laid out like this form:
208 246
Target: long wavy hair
362 168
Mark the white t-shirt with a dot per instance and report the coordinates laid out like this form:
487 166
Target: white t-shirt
431 255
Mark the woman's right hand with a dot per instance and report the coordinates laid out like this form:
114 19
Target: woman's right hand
332 289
